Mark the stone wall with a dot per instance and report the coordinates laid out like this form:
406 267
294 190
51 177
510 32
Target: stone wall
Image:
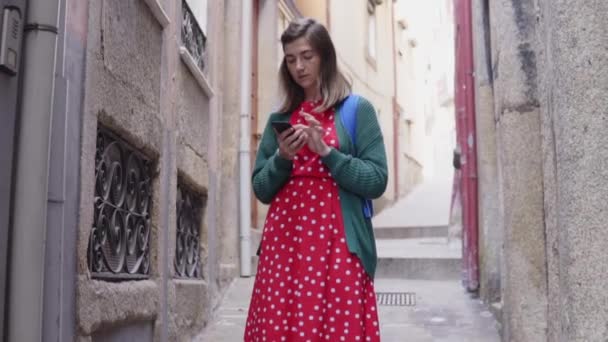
573 85
140 88
548 82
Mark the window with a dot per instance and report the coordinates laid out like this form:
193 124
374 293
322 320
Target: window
119 242
193 50
371 52
199 10
189 208
283 21
371 36
194 38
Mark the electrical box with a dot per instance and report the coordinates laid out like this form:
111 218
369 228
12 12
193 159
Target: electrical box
11 34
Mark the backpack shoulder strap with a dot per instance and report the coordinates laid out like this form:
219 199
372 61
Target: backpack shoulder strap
348 116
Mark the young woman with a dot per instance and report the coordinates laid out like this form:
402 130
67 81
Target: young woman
318 254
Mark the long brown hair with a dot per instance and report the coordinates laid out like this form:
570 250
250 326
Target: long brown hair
334 86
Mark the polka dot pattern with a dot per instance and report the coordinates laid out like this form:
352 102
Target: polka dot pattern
309 287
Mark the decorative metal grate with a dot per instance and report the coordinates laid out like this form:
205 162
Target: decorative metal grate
396 298
119 244
193 37
189 220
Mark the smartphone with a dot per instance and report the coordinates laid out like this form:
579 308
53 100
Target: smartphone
280 126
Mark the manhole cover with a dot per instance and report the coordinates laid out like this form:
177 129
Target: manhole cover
396 298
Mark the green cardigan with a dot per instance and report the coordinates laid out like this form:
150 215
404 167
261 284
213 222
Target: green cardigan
364 175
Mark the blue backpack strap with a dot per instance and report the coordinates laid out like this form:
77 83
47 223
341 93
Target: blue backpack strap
348 113
348 116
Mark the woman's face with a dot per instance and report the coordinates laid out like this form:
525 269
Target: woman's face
303 63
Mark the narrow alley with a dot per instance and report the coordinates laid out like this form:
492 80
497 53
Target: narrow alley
461 146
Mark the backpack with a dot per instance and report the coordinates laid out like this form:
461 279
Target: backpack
348 116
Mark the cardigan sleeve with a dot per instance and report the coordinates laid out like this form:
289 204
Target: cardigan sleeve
366 174
271 171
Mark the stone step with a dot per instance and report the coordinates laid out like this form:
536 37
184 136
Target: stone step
419 258
410 232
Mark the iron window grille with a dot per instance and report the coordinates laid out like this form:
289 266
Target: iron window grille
119 243
187 242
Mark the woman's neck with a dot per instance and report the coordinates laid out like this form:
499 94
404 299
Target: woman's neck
312 94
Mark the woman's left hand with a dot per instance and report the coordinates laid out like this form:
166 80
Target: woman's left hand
315 136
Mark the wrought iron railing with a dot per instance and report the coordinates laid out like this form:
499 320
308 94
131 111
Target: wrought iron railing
193 37
189 221
119 244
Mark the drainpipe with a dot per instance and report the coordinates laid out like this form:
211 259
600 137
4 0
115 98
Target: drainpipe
467 141
244 143
31 186
255 137
396 113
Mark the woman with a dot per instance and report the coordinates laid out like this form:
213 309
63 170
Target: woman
318 255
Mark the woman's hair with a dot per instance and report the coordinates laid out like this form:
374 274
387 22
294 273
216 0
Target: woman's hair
334 86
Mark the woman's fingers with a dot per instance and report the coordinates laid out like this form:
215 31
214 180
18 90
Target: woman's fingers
286 133
290 138
311 119
300 127
299 142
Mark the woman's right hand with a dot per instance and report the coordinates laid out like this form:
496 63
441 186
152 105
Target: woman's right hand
291 141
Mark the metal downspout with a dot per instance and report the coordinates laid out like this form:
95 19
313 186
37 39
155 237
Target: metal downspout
244 143
31 177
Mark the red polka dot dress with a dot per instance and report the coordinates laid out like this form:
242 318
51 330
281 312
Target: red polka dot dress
309 287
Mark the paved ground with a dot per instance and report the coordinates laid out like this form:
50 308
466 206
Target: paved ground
419 248
427 205
443 312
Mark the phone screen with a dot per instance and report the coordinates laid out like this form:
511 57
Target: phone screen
280 126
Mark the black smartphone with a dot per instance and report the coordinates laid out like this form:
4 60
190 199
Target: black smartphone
280 126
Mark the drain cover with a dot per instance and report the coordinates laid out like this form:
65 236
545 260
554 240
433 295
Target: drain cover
396 298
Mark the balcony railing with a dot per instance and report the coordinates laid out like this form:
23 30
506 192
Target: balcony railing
193 37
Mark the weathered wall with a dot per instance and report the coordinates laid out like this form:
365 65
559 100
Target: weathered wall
268 97
574 85
550 77
517 115
314 8
229 220
122 93
138 87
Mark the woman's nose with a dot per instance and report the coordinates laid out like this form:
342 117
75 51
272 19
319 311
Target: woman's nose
299 64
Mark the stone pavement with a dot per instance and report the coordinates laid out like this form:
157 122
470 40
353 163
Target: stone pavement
443 312
427 205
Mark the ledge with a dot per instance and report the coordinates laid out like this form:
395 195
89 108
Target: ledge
198 74
158 12
104 304
412 159
371 61
190 282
